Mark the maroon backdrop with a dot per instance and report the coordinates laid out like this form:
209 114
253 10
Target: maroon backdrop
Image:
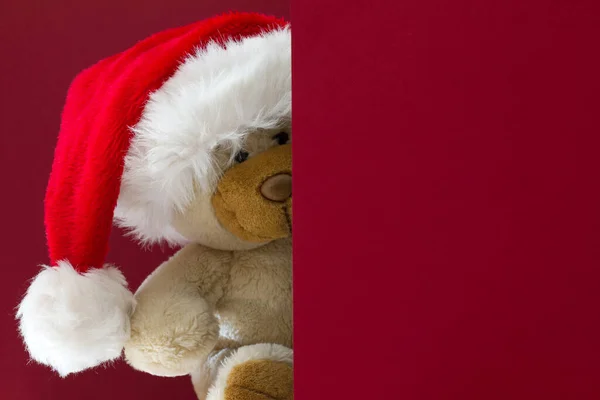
447 199
44 44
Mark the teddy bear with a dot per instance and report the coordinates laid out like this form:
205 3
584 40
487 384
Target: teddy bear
222 313
184 139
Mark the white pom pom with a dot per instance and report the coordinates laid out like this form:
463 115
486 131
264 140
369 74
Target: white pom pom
71 321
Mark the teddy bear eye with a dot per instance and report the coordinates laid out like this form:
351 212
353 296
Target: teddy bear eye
282 138
241 156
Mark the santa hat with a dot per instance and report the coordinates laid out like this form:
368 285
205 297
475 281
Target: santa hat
137 129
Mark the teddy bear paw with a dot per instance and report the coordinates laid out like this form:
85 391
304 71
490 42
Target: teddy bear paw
255 372
260 380
171 338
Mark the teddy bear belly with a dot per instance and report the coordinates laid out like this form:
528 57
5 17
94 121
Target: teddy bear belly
247 322
257 305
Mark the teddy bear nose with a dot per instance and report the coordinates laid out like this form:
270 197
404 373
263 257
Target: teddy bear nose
277 187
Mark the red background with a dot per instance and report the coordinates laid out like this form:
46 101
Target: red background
447 200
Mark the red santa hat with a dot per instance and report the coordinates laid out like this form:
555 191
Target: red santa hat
137 129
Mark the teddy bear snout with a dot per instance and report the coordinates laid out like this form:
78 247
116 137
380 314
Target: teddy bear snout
253 198
277 188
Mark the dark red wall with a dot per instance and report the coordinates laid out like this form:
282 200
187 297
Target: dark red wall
447 199
43 44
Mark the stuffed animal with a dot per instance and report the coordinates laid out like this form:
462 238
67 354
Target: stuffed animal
185 138
225 315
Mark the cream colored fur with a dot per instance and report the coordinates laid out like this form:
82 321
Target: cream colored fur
203 301
219 300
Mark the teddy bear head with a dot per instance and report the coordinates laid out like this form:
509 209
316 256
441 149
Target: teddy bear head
210 160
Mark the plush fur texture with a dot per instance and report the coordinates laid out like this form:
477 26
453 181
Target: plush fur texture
198 223
72 321
257 352
245 213
109 98
249 292
179 92
206 302
173 330
216 97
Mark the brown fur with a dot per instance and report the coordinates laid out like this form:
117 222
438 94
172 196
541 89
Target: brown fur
260 380
241 208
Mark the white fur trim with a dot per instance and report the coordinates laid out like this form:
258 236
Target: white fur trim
261 351
217 96
71 321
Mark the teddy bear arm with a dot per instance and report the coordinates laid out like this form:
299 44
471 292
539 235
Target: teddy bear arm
173 327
